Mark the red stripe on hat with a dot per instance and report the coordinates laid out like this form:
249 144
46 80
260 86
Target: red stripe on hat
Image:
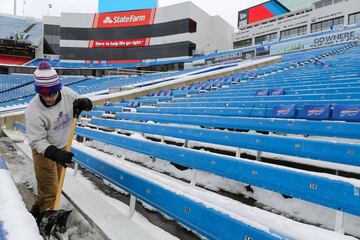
47 84
46 78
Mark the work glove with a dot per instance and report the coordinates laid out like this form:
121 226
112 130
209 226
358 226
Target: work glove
60 156
81 104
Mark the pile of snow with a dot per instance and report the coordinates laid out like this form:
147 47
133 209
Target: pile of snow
17 221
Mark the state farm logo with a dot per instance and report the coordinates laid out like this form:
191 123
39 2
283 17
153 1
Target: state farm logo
124 19
108 20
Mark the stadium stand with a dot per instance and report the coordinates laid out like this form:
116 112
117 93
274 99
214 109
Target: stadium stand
303 106
18 89
20 29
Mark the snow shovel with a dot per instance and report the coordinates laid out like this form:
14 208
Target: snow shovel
53 222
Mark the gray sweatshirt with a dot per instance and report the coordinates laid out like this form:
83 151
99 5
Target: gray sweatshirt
47 126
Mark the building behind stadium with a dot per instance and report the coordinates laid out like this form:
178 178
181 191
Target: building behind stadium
277 20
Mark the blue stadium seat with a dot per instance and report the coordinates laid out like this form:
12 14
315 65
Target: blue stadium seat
316 112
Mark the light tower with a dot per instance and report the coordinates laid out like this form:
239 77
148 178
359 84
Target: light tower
14 7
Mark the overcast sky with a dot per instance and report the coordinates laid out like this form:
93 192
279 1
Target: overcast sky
37 8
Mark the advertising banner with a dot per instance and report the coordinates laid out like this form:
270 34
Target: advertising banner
333 39
140 42
243 18
296 5
325 40
261 12
232 56
125 5
124 19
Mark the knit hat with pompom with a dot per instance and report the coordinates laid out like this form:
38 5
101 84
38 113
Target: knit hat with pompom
46 79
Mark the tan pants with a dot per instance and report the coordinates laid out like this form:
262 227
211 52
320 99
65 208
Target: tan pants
47 176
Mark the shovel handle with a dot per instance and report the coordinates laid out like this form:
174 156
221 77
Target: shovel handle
63 170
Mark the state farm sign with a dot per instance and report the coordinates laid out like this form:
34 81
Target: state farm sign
124 19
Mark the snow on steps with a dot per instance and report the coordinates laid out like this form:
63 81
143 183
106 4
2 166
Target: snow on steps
13 213
113 222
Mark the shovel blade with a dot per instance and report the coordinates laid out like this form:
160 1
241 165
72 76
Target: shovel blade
53 222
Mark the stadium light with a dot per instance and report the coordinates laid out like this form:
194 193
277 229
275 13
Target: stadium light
48 10
23 10
14 7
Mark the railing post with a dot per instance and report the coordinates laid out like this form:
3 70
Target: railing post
76 167
132 206
238 152
258 156
339 222
339 218
186 143
194 176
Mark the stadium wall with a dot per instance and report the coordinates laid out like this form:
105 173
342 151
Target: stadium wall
51 35
213 32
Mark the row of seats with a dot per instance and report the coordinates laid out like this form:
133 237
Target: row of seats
322 93
19 89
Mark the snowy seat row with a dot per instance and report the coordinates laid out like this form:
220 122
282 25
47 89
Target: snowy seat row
188 211
296 81
322 189
315 128
338 88
259 104
284 98
311 112
336 152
